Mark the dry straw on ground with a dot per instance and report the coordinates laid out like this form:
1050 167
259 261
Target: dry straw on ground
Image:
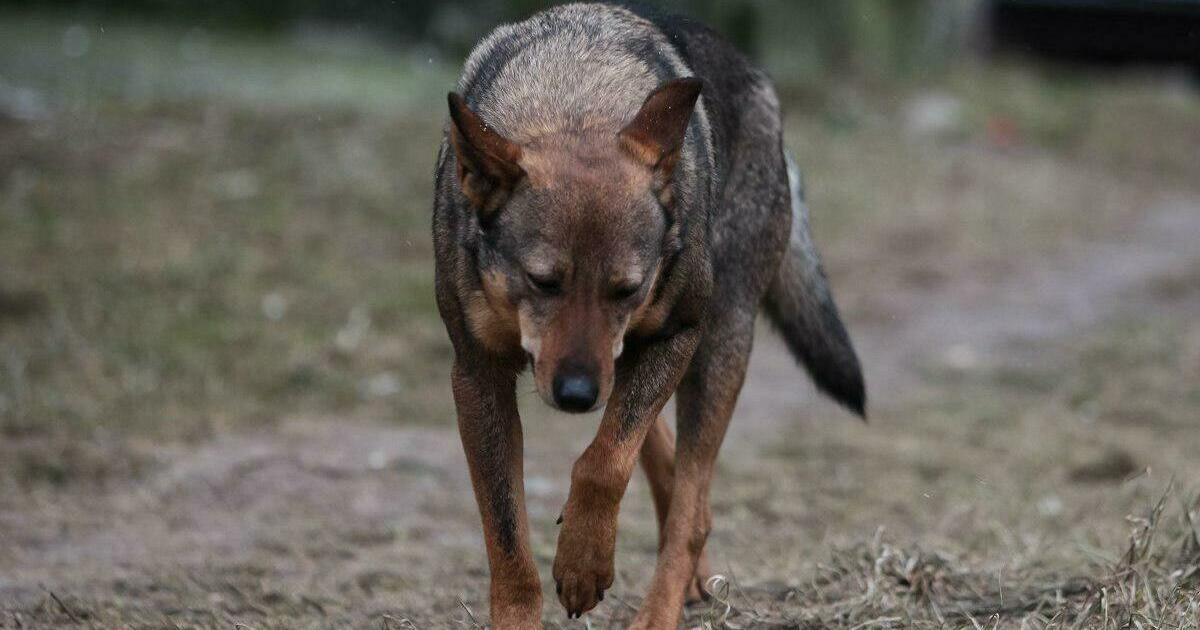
877 584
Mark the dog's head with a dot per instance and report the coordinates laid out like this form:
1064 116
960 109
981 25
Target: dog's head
573 233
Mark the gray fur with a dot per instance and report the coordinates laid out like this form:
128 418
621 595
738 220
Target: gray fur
533 93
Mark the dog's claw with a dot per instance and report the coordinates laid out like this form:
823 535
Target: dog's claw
575 599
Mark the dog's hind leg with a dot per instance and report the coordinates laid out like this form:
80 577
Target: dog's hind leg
705 398
490 427
658 462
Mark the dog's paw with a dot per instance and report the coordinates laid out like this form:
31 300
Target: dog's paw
583 565
697 589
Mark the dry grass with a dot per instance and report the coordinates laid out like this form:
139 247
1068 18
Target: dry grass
1154 584
877 584
200 232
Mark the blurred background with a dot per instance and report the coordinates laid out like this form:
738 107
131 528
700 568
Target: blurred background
223 380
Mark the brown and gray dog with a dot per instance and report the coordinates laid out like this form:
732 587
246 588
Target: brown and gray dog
613 206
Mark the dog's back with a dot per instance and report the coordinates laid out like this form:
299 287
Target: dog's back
572 67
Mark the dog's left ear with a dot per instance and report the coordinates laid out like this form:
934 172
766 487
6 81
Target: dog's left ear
487 161
655 136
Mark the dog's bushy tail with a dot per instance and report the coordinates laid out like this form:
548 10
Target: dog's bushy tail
800 305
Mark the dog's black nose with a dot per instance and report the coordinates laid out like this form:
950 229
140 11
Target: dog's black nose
575 391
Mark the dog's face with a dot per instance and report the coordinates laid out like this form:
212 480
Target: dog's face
573 236
576 252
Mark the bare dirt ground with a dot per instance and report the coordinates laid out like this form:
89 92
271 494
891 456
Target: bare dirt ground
328 522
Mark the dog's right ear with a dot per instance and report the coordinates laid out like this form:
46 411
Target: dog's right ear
487 161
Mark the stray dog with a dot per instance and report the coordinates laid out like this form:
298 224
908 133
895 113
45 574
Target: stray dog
613 204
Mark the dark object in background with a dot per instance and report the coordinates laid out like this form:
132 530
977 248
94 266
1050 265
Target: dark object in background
21 304
1114 465
1100 31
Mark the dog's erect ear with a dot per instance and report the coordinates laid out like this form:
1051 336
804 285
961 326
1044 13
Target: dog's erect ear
655 135
487 161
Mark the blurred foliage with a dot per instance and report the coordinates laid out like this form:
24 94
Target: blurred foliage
803 39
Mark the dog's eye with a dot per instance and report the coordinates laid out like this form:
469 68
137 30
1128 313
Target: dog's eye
546 285
625 291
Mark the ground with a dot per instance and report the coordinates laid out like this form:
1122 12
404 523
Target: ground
223 392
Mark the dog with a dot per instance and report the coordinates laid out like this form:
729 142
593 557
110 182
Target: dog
613 206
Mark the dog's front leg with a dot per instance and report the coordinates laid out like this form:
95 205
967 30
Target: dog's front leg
583 564
490 427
